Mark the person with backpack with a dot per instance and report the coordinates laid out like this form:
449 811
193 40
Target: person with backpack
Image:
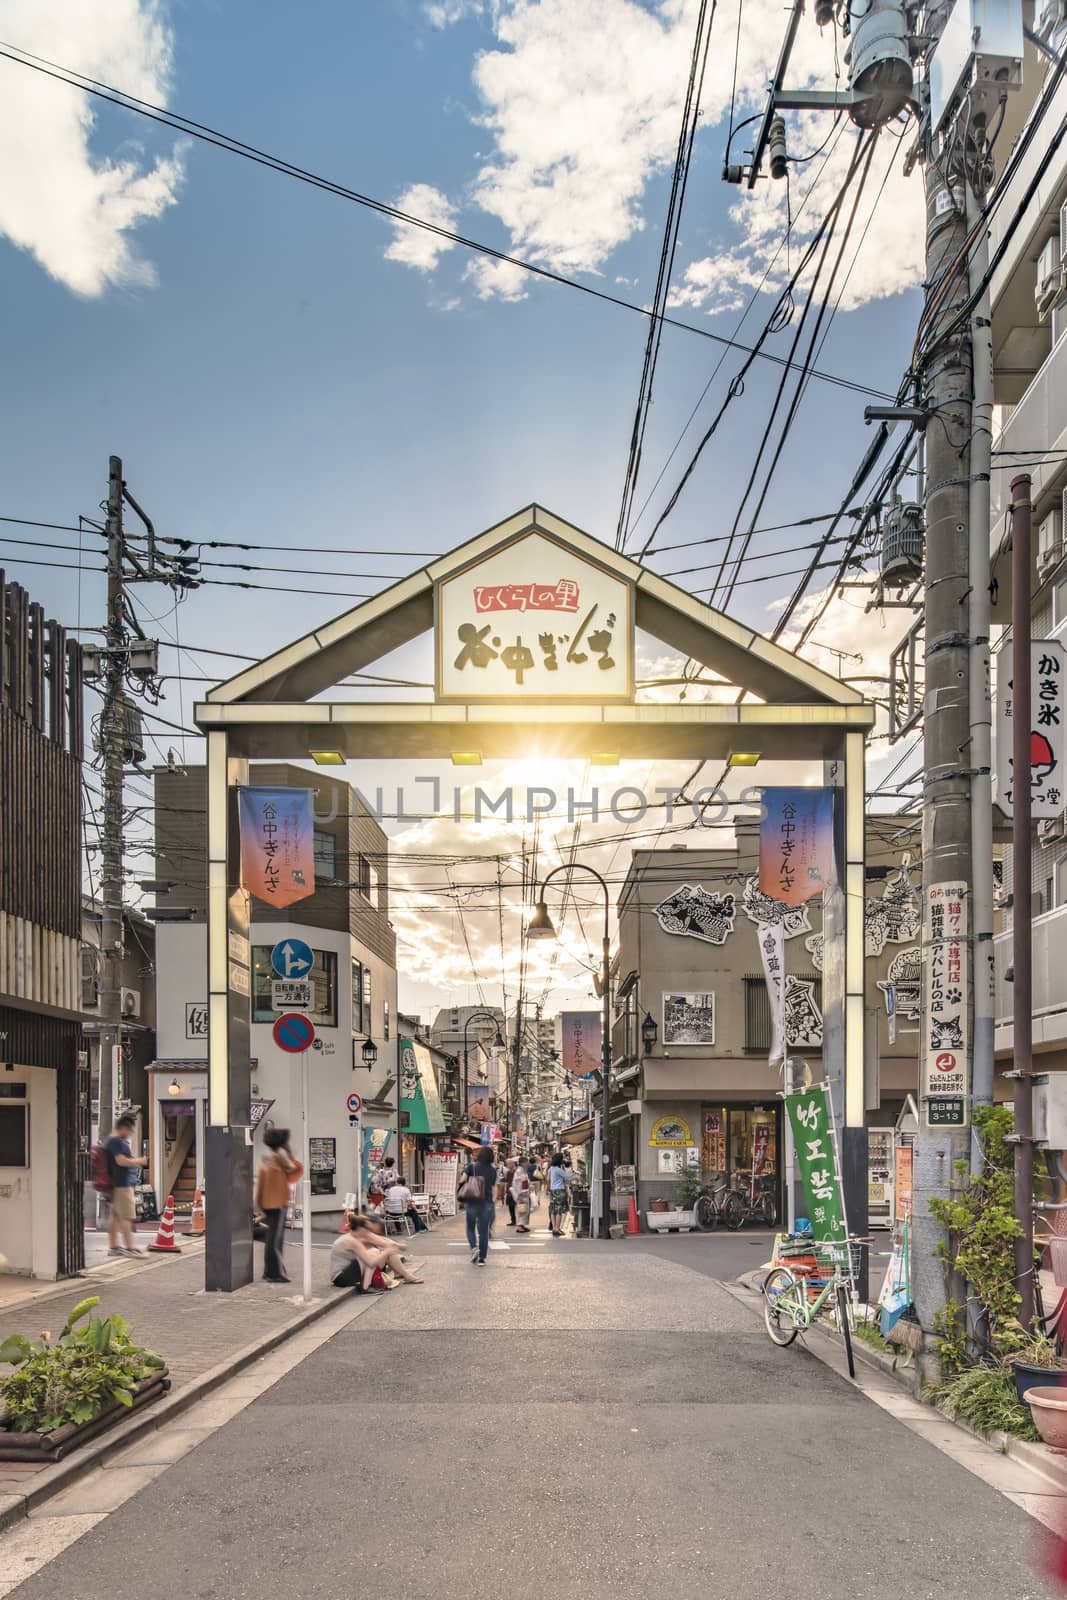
476 1193
123 1172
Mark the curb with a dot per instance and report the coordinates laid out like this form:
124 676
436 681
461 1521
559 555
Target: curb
17 1504
1029 1453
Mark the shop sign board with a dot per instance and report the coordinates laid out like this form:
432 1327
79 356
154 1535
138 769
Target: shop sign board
811 1120
670 1133
533 620
945 1021
1048 729
626 1180
441 1171
258 1110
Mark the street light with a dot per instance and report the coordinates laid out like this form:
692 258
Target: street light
649 1032
498 1044
369 1053
540 926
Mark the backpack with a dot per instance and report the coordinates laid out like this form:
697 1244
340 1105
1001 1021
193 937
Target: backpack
102 1170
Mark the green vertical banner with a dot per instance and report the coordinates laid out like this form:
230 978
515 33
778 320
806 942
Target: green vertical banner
813 1137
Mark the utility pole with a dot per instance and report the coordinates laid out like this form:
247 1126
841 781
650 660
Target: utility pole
111 751
1022 907
127 659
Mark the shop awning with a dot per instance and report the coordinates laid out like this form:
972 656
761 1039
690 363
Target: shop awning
467 1144
578 1132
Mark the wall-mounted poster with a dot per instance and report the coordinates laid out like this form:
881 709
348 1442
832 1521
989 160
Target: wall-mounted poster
688 1019
698 913
670 1133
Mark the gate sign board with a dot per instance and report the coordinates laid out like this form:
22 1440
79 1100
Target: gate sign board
534 620
945 1024
1048 730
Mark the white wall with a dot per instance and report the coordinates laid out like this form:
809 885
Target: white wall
181 982
28 1195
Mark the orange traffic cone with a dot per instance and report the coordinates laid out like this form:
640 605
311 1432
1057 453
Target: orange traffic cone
165 1236
633 1224
198 1219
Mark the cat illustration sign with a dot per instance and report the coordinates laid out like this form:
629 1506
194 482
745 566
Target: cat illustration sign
945 1025
294 1033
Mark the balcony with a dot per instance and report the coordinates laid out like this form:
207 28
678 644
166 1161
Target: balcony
1050 984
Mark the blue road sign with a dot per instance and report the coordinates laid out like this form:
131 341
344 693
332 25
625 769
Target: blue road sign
294 1032
292 958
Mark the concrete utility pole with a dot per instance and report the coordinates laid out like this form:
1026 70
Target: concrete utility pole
111 743
1022 907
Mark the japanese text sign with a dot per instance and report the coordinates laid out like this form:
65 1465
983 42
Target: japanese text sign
796 844
813 1140
582 1037
1048 715
946 954
771 941
536 621
277 844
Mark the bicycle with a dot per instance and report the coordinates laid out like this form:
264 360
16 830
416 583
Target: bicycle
762 1209
788 1306
715 1203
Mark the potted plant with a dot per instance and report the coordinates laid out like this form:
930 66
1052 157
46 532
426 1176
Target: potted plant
1031 1360
66 1391
685 1193
659 1204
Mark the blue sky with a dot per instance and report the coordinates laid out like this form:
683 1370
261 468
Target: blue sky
269 375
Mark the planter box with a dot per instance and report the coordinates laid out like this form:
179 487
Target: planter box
53 1446
671 1221
1029 1377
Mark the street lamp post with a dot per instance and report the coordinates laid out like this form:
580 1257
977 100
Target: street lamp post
498 1044
541 926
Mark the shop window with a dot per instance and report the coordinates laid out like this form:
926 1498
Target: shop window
323 977
758 1027
367 980
357 997
362 876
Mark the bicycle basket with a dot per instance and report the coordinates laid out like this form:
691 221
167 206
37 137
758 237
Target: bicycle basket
835 1253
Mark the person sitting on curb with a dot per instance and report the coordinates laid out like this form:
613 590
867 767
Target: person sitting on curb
360 1252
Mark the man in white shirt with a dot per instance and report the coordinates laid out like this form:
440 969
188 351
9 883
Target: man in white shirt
400 1203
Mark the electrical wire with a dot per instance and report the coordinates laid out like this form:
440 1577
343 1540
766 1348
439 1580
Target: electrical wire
234 146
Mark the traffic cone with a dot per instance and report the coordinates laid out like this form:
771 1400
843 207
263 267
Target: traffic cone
165 1236
198 1219
633 1224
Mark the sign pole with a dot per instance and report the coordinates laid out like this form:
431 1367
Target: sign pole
306 1184
1022 910
359 1161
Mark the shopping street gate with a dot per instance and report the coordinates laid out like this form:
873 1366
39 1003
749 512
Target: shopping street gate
533 625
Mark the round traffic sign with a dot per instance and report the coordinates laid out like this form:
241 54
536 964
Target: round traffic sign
292 958
355 1104
945 1062
293 1032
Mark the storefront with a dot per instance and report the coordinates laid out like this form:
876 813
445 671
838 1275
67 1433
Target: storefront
739 1141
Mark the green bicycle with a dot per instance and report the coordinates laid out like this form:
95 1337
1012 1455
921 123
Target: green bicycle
791 1305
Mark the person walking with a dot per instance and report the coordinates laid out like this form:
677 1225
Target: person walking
559 1182
476 1192
519 1193
125 1173
510 1169
278 1170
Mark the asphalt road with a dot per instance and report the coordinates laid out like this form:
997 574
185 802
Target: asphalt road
587 1420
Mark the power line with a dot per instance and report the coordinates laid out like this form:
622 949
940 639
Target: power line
234 146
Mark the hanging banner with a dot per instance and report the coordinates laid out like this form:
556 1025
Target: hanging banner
1048 730
816 1159
902 1184
418 1089
772 950
376 1142
277 844
945 1023
761 1137
582 1038
796 844
713 1143
478 1102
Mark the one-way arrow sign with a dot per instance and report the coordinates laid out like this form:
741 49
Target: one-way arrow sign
291 958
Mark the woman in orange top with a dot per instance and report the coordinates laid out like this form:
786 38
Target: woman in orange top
278 1170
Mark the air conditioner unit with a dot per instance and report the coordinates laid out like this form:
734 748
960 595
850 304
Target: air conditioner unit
1048 283
1050 829
131 1002
1049 542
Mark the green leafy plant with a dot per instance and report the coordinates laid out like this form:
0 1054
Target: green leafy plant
1030 1349
984 1396
92 1363
871 1334
979 1218
686 1188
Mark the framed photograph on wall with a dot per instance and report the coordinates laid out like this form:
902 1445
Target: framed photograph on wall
688 1019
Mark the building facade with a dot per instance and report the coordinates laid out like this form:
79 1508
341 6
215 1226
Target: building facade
689 964
44 1075
353 988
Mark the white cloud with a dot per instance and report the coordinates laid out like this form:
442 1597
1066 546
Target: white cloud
583 106
73 209
497 279
443 13
414 246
